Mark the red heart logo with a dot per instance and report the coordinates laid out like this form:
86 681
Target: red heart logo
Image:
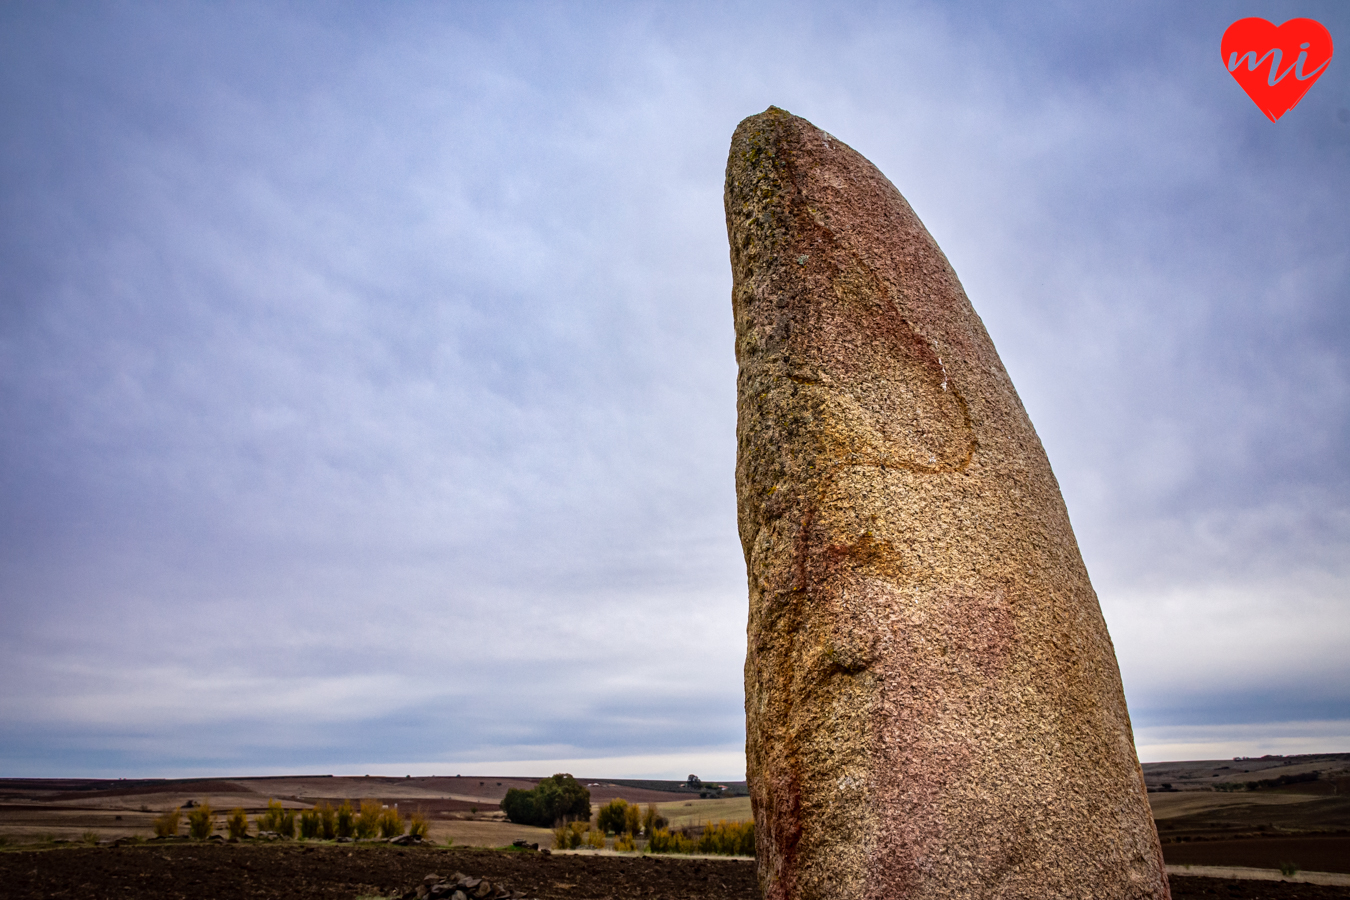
1276 66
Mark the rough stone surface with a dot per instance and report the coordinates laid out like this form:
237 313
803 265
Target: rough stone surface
933 703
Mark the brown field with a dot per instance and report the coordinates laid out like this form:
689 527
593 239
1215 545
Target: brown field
1319 853
296 871
1307 823
463 809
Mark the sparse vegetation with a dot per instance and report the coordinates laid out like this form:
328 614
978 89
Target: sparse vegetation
201 822
236 823
558 798
1288 869
90 837
166 825
368 819
724 838
728 838
277 819
664 841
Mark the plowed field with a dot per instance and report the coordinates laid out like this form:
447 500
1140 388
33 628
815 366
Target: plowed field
308 872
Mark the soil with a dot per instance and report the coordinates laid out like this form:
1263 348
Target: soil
1312 853
183 871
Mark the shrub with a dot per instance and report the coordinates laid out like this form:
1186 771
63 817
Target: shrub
310 824
278 819
391 823
624 843
346 820
652 820
418 825
236 823
1288 869
613 816
90 837
664 841
167 824
557 798
595 839
728 838
201 822
327 821
567 835
368 819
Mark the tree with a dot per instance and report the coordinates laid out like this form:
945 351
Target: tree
613 816
558 798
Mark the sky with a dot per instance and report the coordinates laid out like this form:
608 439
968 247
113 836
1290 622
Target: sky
367 398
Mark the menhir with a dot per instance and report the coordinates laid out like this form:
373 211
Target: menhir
933 705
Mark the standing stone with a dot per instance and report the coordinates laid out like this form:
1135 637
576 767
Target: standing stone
933 706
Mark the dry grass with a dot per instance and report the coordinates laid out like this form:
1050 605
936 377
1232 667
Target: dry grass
697 812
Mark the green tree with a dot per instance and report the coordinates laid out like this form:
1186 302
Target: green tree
327 821
613 816
346 820
311 826
652 820
554 799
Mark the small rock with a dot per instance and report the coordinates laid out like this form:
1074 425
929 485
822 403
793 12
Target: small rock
483 891
459 895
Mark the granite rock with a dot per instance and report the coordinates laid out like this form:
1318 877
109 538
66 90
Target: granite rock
933 704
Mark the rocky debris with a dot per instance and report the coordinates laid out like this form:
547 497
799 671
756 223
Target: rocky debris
461 887
404 840
932 699
525 845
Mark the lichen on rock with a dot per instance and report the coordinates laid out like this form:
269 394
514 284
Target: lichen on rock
933 705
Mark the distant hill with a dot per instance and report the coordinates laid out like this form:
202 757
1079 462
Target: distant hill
1311 773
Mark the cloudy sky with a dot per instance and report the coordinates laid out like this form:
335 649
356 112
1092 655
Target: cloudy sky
366 379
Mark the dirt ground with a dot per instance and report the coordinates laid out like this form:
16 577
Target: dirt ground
183 871
1312 853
